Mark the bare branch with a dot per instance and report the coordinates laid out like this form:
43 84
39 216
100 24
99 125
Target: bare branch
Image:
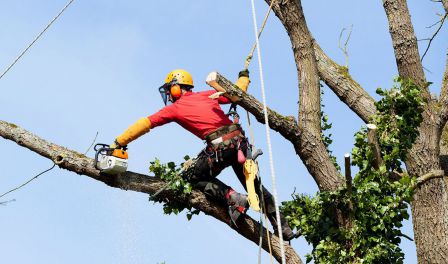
7 202
30 180
93 142
80 164
405 43
441 21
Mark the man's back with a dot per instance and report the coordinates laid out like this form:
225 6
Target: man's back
195 112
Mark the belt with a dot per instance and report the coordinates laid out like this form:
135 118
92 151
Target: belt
223 134
225 137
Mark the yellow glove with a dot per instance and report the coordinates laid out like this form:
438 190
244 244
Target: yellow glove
114 145
243 80
141 127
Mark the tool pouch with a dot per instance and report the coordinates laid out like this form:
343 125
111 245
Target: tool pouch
250 171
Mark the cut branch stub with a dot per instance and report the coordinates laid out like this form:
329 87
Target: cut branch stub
374 145
349 184
348 172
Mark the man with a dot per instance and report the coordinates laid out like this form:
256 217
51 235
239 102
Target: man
200 114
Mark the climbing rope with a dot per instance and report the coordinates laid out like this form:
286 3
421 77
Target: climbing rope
252 139
36 38
251 53
263 211
268 136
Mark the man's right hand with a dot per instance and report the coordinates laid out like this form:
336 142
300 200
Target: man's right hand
115 145
142 126
243 80
243 73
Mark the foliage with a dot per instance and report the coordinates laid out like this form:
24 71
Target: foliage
326 126
171 173
363 225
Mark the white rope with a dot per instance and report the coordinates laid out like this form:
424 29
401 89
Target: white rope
268 136
36 38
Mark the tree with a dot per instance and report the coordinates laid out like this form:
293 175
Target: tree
429 207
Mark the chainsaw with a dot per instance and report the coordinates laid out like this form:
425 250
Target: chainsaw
110 160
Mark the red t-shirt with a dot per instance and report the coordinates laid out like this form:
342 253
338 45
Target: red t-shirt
195 112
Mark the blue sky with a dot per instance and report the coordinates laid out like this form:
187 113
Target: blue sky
98 69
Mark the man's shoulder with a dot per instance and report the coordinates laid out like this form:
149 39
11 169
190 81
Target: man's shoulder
205 93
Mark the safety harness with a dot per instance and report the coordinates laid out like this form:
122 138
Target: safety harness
224 136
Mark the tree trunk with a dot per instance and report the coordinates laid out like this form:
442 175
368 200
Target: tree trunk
430 219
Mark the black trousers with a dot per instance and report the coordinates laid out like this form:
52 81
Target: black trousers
209 165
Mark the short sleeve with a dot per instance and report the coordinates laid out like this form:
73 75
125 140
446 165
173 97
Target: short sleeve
163 116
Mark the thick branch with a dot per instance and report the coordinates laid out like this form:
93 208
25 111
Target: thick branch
309 87
341 83
308 146
80 164
286 126
445 5
405 43
334 75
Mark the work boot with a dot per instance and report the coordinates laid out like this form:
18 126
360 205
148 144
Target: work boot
237 204
287 232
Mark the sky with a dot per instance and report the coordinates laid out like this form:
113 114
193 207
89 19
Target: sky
97 69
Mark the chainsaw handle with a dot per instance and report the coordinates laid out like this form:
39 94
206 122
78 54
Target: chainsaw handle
100 149
97 146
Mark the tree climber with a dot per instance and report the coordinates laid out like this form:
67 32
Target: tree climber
200 114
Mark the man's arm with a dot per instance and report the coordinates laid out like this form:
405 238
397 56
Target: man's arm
144 124
139 128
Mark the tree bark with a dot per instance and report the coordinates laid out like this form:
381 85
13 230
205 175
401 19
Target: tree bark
405 43
430 220
80 164
309 87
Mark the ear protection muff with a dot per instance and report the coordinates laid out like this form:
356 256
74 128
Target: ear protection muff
175 91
